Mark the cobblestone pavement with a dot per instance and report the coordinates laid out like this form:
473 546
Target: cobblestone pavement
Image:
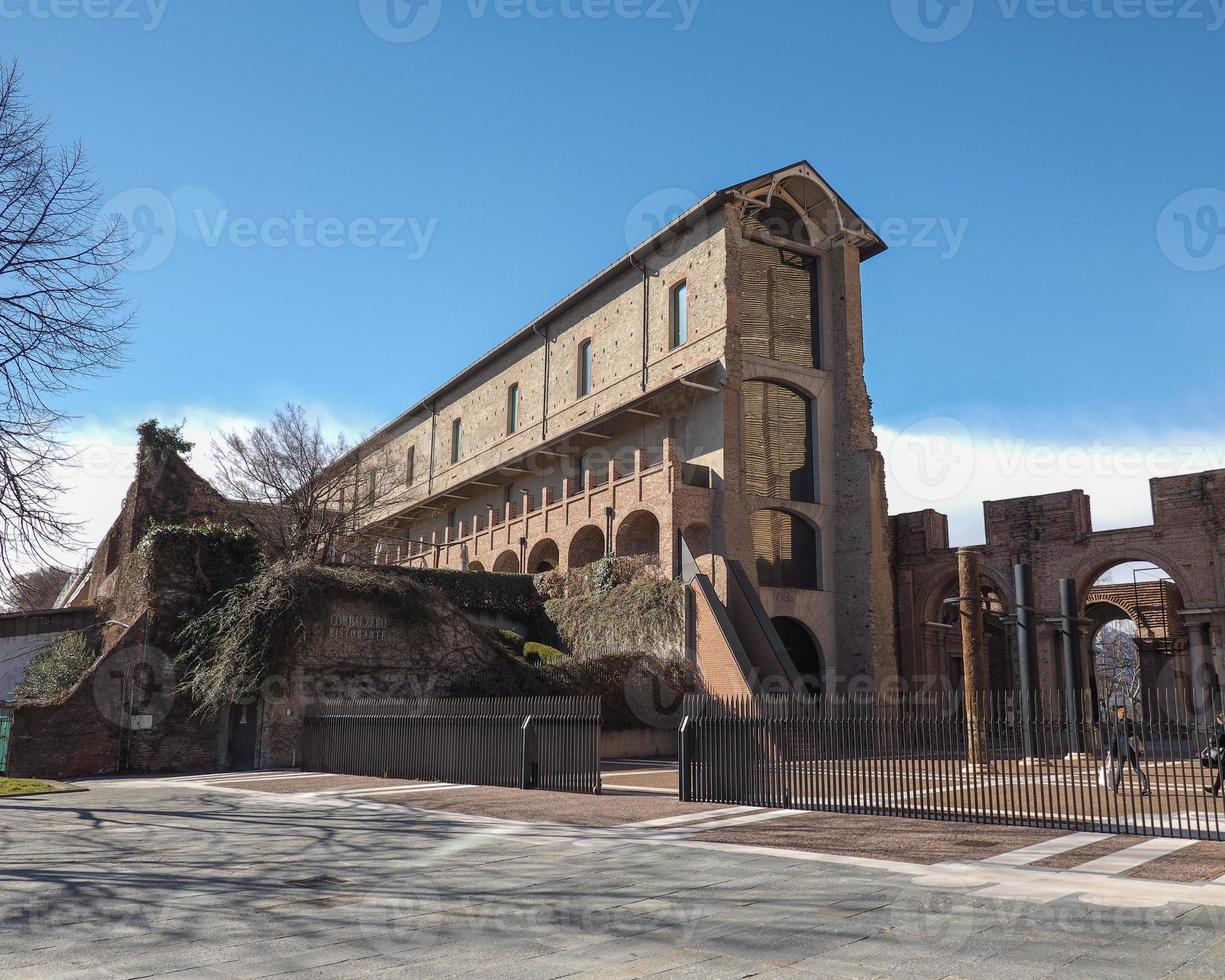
150 877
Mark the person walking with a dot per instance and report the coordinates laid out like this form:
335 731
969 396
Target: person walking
1127 748
1218 744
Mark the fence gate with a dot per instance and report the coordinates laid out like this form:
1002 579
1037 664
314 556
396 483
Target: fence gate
550 743
6 726
1047 761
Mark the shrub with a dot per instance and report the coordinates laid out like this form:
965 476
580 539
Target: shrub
513 596
542 654
57 669
619 605
212 557
513 640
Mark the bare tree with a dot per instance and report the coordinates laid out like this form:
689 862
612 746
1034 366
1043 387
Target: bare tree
313 497
1117 660
32 591
62 317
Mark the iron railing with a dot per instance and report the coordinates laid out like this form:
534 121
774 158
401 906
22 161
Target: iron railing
1041 762
550 743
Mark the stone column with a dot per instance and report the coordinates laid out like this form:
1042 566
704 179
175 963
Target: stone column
1199 654
973 653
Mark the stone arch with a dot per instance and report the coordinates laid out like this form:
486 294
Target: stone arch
475 566
507 563
638 535
779 440
946 585
586 546
1002 658
804 650
1089 570
787 549
544 557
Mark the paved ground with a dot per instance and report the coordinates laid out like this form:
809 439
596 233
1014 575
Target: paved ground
336 876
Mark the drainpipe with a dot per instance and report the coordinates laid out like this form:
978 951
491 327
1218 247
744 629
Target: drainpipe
433 431
646 317
544 414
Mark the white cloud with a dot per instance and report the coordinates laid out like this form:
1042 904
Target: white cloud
940 463
104 461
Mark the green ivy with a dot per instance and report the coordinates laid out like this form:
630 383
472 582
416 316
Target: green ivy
160 440
513 596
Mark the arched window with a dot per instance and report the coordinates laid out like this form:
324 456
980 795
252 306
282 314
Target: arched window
584 368
778 442
788 551
780 313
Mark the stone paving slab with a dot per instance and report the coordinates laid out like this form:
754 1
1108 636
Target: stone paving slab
887 838
606 810
255 884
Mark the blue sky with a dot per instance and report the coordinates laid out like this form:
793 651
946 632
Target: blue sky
1036 175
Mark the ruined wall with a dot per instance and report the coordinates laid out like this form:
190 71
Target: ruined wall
1054 534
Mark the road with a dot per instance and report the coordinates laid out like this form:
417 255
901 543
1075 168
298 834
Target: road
198 878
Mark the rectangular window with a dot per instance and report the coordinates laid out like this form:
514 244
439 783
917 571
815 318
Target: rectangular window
372 487
680 315
512 410
409 465
584 368
457 434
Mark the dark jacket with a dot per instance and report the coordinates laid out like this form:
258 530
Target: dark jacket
1123 735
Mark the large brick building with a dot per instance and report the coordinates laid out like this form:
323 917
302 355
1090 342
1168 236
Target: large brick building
703 400
702 397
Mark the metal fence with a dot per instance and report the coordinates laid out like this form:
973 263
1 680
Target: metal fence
550 743
1045 761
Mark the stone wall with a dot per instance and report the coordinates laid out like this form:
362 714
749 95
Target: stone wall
1054 534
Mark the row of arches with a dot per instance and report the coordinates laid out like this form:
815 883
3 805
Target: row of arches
637 536
1132 616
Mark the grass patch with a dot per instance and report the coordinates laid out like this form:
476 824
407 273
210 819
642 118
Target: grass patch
22 787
